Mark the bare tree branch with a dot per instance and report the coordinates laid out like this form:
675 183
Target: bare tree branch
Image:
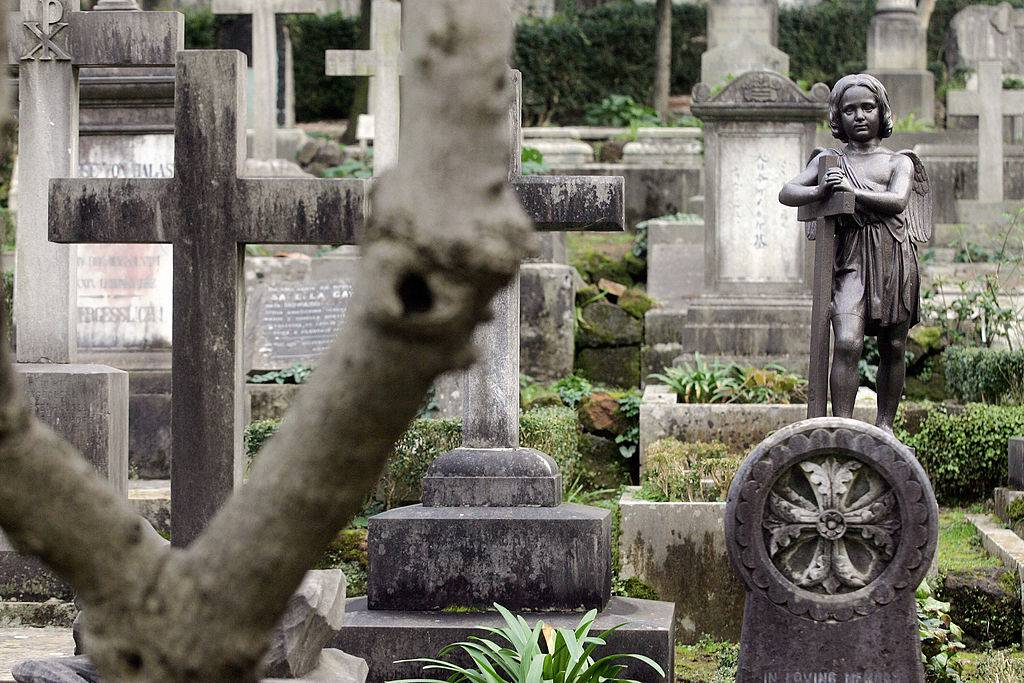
446 233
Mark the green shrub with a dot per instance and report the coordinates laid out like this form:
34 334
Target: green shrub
318 96
555 431
985 375
826 41
256 434
985 603
200 28
348 552
687 472
940 638
965 454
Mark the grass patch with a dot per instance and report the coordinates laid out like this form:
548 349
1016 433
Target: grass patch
959 544
612 244
709 661
993 666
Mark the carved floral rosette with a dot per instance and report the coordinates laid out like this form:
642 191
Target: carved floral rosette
831 519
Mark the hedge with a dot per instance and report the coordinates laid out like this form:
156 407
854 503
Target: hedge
980 375
965 454
552 430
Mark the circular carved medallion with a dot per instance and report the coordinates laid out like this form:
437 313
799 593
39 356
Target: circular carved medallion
831 518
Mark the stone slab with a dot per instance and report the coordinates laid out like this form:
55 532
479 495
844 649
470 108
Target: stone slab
20 644
1015 455
523 558
52 612
678 549
675 262
1000 542
547 296
382 637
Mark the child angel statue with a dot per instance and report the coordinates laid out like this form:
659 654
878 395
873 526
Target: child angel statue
876 275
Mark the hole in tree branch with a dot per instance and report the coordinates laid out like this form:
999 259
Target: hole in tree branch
415 294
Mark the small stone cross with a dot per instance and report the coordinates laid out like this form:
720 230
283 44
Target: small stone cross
264 60
990 103
382 63
209 213
824 214
49 40
490 451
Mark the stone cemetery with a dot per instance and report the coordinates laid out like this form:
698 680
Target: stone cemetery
410 339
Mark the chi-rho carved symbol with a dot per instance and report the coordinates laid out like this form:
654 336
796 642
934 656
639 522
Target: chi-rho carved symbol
45 29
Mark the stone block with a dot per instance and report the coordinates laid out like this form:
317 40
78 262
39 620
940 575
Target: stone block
718 64
678 549
270 401
910 92
1015 455
973 212
605 324
651 191
314 614
896 41
149 449
333 666
384 637
614 367
679 147
425 558
546 311
561 147
675 262
151 500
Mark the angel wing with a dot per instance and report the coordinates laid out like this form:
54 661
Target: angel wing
811 227
918 213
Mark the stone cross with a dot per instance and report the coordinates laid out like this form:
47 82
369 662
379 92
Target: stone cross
209 213
382 63
264 61
831 524
990 103
824 215
49 41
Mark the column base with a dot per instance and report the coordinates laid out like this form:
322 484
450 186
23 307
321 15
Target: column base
493 477
383 637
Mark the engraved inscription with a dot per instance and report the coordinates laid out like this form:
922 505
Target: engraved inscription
831 524
833 677
45 30
761 89
298 322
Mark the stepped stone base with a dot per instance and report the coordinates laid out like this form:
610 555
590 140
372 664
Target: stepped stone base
427 558
383 637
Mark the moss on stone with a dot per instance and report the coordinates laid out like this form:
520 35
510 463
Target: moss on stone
594 266
636 303
985 603
615 367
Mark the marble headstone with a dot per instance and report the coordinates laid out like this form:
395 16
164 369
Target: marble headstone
986 32
831 524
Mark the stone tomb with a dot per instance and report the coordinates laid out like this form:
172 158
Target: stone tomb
759 132
209 213
831 524
989 103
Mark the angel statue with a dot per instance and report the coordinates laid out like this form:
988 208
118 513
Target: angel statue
875 274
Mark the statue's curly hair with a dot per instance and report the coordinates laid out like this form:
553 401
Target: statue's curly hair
836 97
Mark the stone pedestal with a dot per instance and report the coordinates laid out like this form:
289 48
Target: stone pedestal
88 406
897 56
383 638
675 262
546 339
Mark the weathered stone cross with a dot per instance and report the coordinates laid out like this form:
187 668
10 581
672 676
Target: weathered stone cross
824 215
990 103
209 213
382 63
49 40
264 61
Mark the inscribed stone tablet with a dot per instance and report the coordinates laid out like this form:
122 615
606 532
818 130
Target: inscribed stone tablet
290 323
125 290
759 240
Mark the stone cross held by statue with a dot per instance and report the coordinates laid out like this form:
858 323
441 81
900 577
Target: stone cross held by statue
49 41
824 214
383 64
264 61
209 213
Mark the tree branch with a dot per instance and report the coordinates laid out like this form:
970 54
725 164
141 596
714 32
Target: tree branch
446 234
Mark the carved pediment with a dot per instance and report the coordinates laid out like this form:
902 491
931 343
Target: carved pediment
761 88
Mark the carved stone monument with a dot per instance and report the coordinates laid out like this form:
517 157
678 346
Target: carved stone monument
831 525
758 130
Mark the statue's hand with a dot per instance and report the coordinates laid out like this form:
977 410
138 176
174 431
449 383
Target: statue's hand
837 181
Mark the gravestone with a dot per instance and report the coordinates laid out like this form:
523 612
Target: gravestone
675 261
264 61
742 37
382 64
990 103
759 131
492 518
682 147
981 33
898 57
831 524
209 213
49 42
559 146
1005 496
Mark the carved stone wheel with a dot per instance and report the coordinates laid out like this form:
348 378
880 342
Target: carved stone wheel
831 519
